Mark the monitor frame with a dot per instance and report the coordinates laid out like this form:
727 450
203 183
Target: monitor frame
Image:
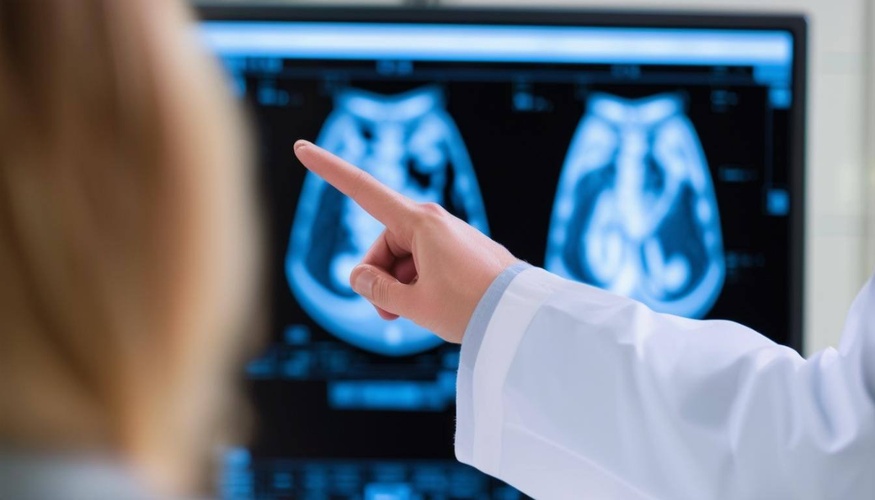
794 23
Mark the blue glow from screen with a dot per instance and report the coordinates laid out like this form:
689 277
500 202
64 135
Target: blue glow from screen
390 491
394 395
542 44
778 202
635 211
246 478
410 143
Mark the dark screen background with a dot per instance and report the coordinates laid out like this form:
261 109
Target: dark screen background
517 157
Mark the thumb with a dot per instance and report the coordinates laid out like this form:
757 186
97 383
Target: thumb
380 288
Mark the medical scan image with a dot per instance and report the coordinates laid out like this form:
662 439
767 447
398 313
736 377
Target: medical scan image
409 142
635 211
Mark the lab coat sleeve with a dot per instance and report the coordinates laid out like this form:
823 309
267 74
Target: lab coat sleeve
567 391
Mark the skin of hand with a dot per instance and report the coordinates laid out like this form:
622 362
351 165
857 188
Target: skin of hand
428 265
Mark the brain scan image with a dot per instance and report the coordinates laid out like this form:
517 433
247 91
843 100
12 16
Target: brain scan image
409 142
635 210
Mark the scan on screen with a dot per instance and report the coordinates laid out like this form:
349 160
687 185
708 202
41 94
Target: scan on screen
410 143
635 210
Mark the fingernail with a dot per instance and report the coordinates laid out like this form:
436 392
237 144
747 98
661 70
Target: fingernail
364 283
300 143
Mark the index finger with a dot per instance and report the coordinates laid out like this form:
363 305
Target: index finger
384 204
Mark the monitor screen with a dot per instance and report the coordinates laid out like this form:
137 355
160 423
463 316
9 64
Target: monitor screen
655 156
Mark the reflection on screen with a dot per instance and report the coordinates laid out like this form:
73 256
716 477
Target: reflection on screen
635 212
408 142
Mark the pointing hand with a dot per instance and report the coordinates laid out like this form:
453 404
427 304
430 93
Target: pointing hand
428 265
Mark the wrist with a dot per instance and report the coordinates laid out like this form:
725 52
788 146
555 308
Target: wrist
487 303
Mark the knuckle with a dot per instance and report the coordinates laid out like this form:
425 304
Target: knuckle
432 208
358 183
431 212
380 292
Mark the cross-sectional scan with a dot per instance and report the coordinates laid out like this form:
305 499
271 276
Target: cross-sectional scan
410 143
635 211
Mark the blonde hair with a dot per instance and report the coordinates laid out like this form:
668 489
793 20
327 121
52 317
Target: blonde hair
127 235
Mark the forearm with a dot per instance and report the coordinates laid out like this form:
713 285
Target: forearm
656 404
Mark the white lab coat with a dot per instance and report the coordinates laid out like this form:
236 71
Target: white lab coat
567 391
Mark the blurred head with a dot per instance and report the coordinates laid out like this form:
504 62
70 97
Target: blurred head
126 236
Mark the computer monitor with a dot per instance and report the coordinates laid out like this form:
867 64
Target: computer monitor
659 156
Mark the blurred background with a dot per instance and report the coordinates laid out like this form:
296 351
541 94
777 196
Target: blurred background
840 211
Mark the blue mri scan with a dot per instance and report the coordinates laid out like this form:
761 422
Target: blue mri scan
635 210
410 143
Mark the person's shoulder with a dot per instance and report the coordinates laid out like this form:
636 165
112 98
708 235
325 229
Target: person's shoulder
26 476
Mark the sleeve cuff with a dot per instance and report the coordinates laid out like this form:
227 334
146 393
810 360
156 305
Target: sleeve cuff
471 343
483 312
487 356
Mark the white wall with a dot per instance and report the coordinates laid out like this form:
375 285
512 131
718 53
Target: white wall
838 250
869 141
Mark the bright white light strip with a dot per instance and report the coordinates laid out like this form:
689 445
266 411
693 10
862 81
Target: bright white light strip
542 44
